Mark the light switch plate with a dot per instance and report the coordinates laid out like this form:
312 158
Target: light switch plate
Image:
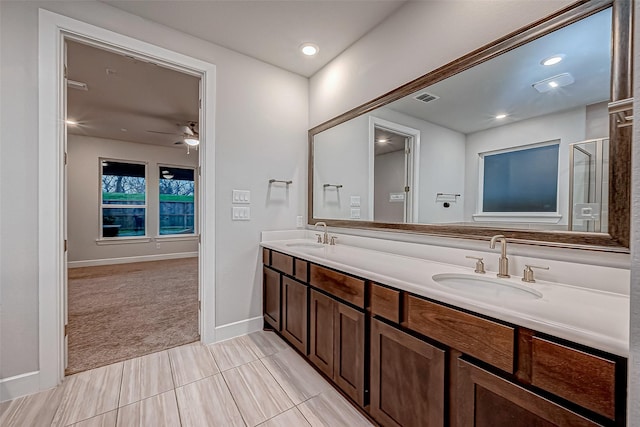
241 197
241 213
355 213
396 197
355 201
299 221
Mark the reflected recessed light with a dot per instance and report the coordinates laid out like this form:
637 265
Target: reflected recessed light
382 140
309 49
501 116
71 122
552 60
553 84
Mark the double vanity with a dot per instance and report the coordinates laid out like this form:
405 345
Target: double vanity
414 342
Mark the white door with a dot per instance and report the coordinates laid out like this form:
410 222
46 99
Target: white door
65 277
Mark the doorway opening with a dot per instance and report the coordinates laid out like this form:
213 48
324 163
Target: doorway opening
132 209
393 152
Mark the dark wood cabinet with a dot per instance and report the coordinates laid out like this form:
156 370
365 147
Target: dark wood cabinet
271 297
337 343
321 321
349 351
425 363
407 379
488 400
294 313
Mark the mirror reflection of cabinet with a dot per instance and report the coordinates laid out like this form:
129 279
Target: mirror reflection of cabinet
505 97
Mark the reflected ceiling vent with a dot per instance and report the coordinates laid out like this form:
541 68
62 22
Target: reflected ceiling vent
426 97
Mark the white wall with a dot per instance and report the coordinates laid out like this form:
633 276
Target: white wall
341 156
83 200
567 126
416 39
260 133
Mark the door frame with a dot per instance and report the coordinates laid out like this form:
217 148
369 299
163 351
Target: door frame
53 29
412 167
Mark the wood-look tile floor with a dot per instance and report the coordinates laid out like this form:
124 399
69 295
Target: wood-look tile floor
254 380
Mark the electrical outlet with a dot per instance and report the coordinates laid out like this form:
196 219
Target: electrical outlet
157 245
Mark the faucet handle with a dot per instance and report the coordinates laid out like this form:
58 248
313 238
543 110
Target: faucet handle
333 240
527 274
479 264
319 237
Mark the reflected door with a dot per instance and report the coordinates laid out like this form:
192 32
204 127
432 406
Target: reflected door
588 197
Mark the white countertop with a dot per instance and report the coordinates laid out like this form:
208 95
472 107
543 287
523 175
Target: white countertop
590 317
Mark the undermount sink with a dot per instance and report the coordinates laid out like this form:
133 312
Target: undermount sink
486 287
307 245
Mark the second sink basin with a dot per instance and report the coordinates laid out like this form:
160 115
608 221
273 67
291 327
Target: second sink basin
486 287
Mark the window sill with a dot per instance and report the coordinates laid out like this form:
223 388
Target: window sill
529 217
122 240
176 237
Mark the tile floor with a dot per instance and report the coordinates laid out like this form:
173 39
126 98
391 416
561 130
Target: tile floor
253 380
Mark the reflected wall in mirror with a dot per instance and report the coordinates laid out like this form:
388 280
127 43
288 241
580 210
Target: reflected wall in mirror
516 142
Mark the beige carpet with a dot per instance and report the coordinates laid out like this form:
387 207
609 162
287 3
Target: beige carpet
118 312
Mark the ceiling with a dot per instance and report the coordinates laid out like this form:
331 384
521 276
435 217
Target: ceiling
469 101
271 31
127 97
387 141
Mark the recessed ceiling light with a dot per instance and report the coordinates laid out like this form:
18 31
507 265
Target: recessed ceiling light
501 116
71 122
552 60
309 49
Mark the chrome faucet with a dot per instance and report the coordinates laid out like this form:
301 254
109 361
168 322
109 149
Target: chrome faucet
503 266
325 238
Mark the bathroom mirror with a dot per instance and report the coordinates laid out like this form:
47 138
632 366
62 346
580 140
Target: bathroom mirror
528 137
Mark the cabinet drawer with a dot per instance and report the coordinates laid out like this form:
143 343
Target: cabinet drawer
301 270
282 262
266 256
483 339
582 378
340 285
385 303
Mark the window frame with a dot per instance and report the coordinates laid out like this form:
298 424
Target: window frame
102 206
541 217
195 203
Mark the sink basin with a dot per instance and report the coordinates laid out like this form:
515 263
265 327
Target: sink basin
486 287
307 245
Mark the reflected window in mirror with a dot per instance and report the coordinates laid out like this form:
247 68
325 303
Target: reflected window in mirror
521 181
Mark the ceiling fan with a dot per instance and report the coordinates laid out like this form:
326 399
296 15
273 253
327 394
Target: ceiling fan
189 134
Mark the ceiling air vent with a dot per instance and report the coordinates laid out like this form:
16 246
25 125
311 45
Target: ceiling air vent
426 97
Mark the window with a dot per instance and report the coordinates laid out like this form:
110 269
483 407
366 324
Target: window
521 180
177 202
124 203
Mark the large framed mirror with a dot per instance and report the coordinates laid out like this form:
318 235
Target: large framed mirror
528 137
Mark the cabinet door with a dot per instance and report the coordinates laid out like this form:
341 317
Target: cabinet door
348 363
271 298
487 400
294 313
407 379
321 331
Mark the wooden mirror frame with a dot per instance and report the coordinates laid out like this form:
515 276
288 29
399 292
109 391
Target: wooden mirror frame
620 134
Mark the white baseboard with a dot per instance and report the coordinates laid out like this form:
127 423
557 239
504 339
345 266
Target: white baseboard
19 385
127 260
235 329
